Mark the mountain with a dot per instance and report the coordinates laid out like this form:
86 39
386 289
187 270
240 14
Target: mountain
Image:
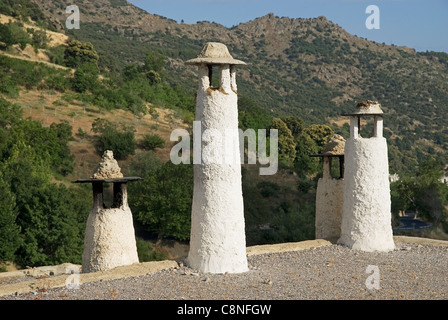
310 68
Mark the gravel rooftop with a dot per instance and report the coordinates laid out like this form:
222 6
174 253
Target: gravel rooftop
413 271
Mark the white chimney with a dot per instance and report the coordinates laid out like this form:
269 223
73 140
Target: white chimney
217 241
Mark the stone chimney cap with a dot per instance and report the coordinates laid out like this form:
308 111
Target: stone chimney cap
335 146
108 167
367 107
108 171
214 53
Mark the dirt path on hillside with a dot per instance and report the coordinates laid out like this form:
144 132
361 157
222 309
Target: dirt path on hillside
52 65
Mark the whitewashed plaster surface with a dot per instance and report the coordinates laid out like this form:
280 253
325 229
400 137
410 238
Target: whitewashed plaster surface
217 240
329 198
366 220
109 240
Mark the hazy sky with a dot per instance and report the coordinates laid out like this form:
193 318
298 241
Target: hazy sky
418 24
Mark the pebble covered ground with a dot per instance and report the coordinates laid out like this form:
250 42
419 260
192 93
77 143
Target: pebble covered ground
411 271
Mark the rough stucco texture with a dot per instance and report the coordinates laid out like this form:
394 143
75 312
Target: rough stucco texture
366 220
217 241
109 240
329 196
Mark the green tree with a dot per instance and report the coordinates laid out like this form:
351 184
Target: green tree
6 36
22 9
153 77
52 234
154 67
292 224
303 163
41 223
119 139
48 214
162 201
131 72
10 113
431 194
422 192
86 77
286 143
78 53
56 54
39 39
62 159
19 35
295 124
403 194
49 143
319 133
155 61
9 231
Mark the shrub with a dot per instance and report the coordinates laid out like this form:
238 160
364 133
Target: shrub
121 143
85 78
56 54
19 35
39 39
292 224
146 252
153 77
120 140
6 37
8 87
152 141
268 188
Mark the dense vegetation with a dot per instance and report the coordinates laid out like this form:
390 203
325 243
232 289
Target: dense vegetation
316 69
423 193
25 10
41 222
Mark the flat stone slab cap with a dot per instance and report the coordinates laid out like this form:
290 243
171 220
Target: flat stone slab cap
367 107
214 53
118 180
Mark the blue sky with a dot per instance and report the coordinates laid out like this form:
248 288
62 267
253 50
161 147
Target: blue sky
418 24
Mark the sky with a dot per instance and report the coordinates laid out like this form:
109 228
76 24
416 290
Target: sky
418 24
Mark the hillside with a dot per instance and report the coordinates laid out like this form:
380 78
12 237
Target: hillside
49 107
310 68
52 106
34 77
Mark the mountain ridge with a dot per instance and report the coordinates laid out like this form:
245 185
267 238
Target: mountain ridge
310 67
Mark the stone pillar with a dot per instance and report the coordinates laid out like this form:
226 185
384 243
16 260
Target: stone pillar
366 218
217 242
